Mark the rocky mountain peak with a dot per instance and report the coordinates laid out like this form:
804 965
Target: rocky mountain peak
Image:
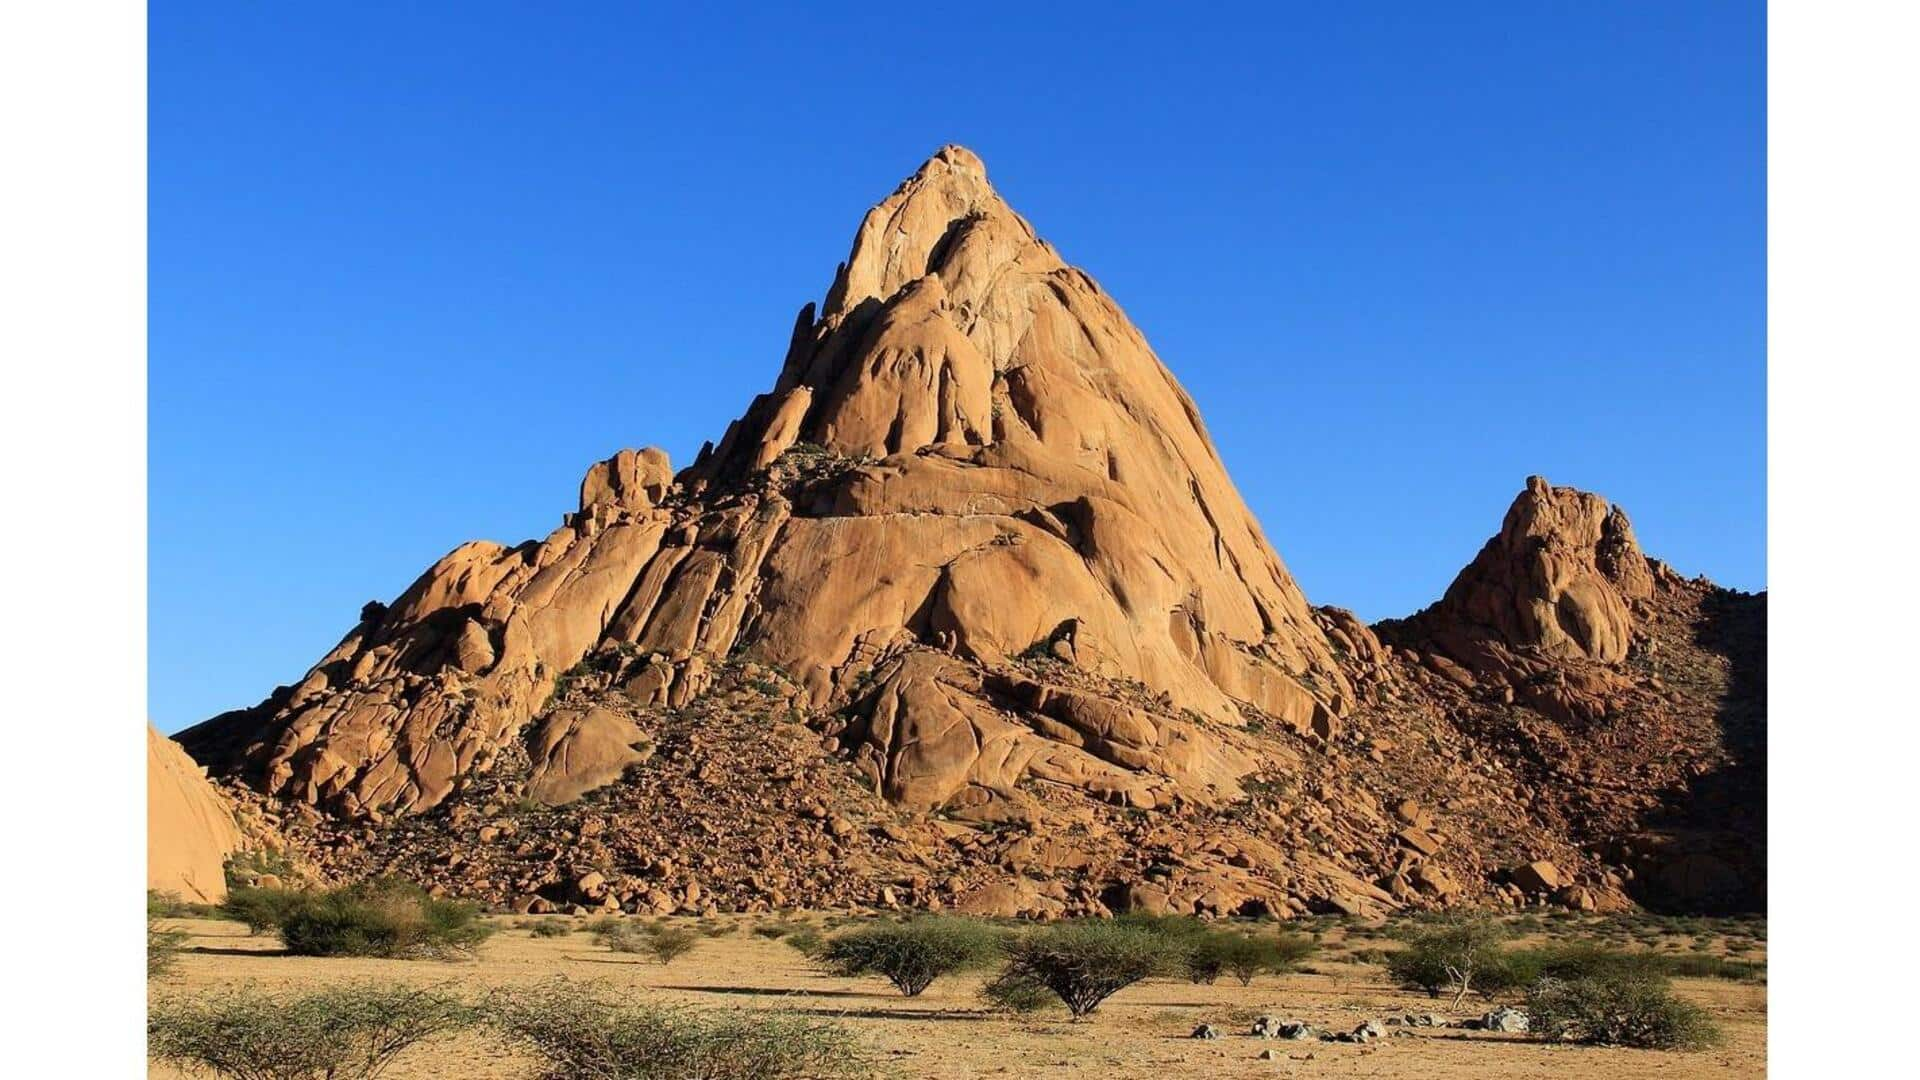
969 456
973 562
916 231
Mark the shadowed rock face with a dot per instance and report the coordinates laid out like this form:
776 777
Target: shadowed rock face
969 454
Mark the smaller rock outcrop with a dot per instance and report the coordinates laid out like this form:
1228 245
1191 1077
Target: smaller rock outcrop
1545 613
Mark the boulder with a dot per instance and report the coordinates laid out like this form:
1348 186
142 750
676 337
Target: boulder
1138 897
577 751
1504 1019
1006 900
1419 840
1539 876
1433 881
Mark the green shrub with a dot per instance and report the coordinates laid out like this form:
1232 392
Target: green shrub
912 955
1459 954
774 931
1172 928
1017 993
664 943
552 928
585 1036
1203 960
1709 966
385 918
335 1034
242 868
166 905
620 935
260 909
1084 963
1244 956
163 948
1579 960
806 941
668 943
1618 1009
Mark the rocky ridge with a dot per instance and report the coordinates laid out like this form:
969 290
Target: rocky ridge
966 613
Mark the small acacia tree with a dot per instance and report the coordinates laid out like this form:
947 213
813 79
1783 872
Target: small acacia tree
1245 956
668 943
1084 963
912 955
343 1033
584 1034
658 940
163 947
1456 954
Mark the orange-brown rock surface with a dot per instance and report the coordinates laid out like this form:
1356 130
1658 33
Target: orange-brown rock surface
1546 611
966 612
191 828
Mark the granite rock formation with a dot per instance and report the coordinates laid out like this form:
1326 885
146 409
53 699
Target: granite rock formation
982 458
965 612
191 827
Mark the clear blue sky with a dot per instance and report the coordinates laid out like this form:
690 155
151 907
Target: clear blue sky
413 267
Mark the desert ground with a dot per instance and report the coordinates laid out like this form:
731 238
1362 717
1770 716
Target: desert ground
1142 1031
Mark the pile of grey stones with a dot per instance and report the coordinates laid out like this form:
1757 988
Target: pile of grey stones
1272 1027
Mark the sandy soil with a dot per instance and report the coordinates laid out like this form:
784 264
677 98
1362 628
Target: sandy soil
1140 1032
